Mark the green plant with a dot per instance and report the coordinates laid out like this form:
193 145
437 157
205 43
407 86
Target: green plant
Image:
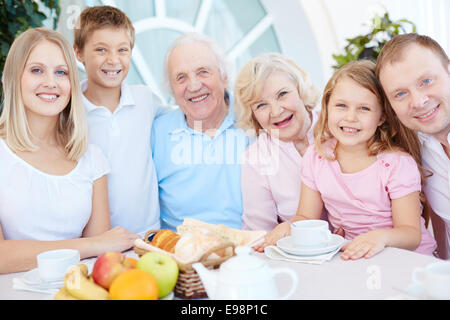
16 16
369 45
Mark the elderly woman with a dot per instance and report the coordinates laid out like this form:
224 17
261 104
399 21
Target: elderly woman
274 100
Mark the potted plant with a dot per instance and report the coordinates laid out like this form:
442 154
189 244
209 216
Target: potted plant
369 45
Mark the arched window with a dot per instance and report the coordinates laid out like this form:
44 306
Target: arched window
242 28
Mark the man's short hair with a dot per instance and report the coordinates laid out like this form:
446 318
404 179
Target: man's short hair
394 49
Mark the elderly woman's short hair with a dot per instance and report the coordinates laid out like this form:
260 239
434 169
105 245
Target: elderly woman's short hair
250 82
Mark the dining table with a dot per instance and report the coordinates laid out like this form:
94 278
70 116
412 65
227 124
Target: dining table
387 275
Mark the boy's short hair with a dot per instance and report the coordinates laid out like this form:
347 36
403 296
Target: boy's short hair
98 17
393 50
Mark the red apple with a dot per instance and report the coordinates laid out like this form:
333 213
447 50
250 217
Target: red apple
108 266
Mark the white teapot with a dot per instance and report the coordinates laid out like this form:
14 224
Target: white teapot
243 277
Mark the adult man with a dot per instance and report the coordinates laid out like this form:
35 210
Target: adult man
197 149
415 74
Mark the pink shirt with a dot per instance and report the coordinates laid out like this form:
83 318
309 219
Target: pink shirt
360 202
271 181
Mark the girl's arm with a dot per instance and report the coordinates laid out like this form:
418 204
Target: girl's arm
310 207
97 239
406 232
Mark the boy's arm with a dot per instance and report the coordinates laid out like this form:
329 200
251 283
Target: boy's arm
163 109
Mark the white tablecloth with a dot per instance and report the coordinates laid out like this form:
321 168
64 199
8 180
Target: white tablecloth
379 277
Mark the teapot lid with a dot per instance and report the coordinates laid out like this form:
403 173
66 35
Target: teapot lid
243 261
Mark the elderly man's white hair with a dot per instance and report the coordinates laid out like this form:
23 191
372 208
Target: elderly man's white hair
191 37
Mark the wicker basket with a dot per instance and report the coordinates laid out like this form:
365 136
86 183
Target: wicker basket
189 285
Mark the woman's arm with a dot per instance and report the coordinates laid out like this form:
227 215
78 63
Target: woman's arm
406 232
99 221
20 255
97 238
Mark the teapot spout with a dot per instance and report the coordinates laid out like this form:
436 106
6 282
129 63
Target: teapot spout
209 278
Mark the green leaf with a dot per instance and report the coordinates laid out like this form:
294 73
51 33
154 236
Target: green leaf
368 46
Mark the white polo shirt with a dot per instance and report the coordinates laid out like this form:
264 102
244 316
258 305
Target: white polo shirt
124 137
437 187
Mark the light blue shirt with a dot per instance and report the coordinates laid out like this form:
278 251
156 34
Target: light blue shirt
199 177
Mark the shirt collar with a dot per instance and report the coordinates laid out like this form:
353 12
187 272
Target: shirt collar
428 138
126 96
430 142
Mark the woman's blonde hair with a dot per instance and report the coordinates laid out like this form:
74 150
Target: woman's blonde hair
72 126
391 135
250 82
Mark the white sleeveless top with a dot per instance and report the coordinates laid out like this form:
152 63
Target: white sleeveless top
38 206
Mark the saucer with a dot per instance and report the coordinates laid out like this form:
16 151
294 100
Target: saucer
32 278
286 245
416 290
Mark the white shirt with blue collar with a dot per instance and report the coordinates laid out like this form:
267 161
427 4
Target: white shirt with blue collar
124 137
199 177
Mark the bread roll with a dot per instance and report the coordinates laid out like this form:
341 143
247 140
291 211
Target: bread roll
166 240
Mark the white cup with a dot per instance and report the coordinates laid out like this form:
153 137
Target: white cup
53 264
435 279
311 233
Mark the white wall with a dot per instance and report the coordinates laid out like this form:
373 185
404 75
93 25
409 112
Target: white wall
333 21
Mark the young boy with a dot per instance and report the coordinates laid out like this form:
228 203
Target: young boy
120 116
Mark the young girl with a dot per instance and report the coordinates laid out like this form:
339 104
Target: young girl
359 169
53 191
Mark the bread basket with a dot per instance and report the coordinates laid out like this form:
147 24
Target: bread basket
189 285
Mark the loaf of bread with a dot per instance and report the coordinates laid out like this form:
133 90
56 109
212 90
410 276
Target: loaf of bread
235 236
165 239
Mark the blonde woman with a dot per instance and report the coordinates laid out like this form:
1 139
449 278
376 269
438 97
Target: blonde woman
53 192
274 100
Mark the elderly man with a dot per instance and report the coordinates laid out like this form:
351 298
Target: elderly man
197 148
414 72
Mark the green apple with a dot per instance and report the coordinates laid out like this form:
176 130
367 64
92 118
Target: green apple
163 268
